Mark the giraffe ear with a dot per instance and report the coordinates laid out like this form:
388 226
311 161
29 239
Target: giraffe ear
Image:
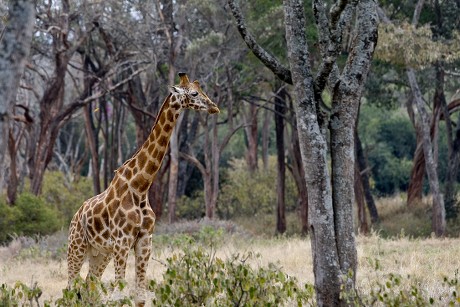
196 82
175 90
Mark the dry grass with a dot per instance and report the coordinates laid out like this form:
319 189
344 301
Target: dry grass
426 261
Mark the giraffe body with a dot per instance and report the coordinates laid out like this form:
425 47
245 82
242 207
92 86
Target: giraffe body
120 218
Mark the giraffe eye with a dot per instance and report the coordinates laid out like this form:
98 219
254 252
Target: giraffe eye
194 93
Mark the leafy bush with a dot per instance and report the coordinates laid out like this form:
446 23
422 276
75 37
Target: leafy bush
395 290
65 196
91 293
19 295
29 216
250 194
198 278
388 139
8 218
191 208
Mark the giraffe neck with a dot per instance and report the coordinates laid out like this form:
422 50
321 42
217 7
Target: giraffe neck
141 169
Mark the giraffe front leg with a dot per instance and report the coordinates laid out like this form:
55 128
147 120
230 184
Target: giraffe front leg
120 256
76 252
143 249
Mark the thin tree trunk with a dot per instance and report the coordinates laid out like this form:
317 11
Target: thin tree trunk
251 137
280 110
363 172
359 196
266 138
215 158
92 139
13 178
415 189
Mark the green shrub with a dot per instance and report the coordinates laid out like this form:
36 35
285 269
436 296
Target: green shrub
191 208
66 197
29 216
36 217
91 293
395 290
199 278
19 295
8 219
246 193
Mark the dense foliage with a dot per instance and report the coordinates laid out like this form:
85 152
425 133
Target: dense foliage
30 216
45 214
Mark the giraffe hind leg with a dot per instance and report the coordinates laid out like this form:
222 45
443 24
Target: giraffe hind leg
97 264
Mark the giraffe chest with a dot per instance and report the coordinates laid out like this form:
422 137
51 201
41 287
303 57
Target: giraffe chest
119 221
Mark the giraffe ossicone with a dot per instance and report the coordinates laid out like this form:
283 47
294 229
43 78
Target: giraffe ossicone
119 219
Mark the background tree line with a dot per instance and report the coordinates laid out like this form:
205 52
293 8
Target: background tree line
96 76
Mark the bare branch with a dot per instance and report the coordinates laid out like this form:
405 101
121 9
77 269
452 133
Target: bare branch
195 162
115 86
270 61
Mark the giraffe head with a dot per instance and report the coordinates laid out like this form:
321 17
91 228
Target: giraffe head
192 96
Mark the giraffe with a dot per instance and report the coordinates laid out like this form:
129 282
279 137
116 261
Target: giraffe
108 225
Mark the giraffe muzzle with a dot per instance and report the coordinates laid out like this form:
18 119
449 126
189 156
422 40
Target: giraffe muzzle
213 110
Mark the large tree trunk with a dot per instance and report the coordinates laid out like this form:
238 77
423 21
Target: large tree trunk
280 110
314 149
14 51
331 207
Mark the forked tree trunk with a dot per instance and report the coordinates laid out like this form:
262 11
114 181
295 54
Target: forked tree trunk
330 207
439 214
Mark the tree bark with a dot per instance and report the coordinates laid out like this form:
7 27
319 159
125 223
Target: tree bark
14 51
299 177
313 147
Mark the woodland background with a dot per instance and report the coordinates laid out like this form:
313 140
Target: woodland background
89 96
97 73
